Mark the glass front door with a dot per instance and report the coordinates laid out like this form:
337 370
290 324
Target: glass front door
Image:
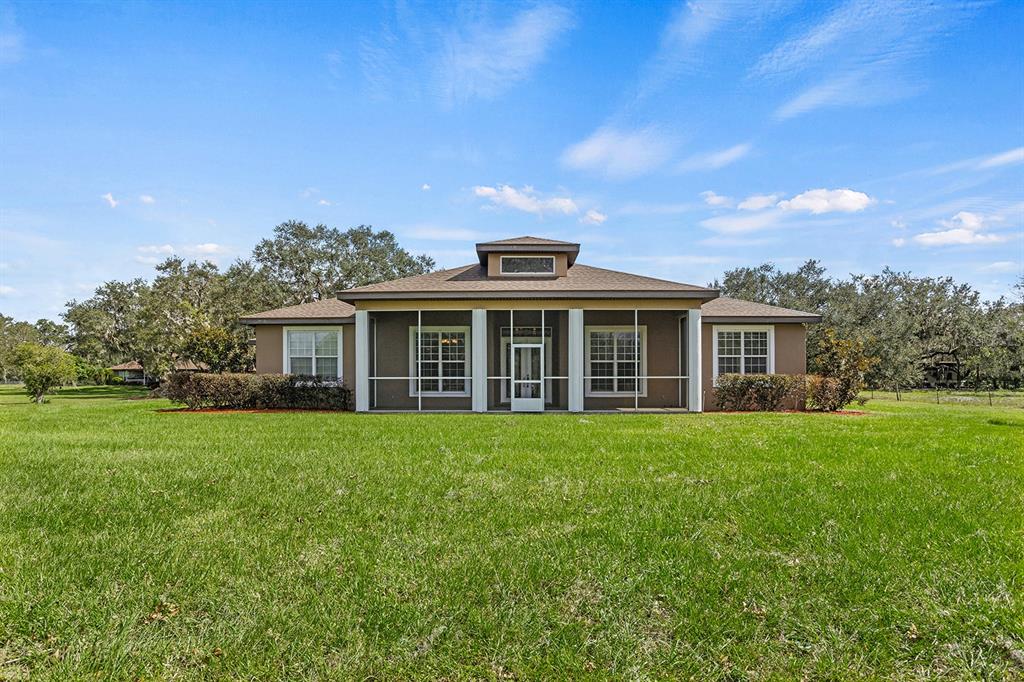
527 377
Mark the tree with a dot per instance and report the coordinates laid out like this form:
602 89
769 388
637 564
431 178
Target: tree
53 334
312 263
843 360
44 368
12 335
219 349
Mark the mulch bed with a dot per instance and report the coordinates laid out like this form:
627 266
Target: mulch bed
227 410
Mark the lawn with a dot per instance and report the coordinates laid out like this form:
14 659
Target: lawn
136 543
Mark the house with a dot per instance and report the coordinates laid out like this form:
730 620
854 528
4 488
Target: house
527 328
132 373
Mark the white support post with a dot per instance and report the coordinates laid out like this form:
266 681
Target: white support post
362 361
694 366
636 359
419 360
478 341
576 362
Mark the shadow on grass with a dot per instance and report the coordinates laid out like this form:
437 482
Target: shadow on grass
96 392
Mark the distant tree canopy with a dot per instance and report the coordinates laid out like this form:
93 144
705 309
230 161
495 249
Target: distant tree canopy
905 323
190 310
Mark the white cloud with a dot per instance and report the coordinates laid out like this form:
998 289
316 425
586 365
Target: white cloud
757 202
818 201
147 199
206 249
109 198
898 241
714 160
593 217
965 228
160 249
6 290
712 199
480 60
1004 159
436 233
746 222
620 154
1007 158
526 199
323 202
425 187
1002 266
309 192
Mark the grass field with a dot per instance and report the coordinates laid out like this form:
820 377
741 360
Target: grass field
143 544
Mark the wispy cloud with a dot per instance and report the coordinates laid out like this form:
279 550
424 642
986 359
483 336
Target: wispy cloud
442 234
111 201
734 223
620 154
152 254
648 208
758 202
6 290
157 249
461 55
859 53
1002 266
965 228
147 199
714 160
526 199
593 217
712 199
1008 158
425 187
818 201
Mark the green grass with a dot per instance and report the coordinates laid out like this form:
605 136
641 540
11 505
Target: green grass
1000 398
144 544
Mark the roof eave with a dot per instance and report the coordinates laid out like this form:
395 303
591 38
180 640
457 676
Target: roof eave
296 320
762 319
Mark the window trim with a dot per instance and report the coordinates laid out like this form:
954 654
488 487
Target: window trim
506 341
715 329
553 273
641 375
286 362
467 377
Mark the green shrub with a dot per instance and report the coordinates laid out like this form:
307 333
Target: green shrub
44 369
825 394
843 360
255 391
757 392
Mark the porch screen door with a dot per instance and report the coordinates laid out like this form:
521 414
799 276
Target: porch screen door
527 377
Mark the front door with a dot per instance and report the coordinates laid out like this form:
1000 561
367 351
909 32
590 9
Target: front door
527 377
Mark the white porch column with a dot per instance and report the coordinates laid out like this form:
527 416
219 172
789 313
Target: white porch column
362 386
576 363
478 341
694 366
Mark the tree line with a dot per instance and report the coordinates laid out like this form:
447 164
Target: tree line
190 310
907 325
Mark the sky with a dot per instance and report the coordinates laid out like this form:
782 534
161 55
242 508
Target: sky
676 139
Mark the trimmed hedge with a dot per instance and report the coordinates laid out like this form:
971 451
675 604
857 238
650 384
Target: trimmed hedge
758 392
199 390
826 394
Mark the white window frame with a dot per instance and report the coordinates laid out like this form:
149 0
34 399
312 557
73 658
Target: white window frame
715 329
466 377
553 272
506 341
641 375
286 361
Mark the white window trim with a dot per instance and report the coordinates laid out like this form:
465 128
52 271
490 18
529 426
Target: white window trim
286 361
553 272
642 374
506 341
467 376
742 328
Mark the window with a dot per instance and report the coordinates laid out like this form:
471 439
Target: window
443 360
527 265
313 352
744 350
612 358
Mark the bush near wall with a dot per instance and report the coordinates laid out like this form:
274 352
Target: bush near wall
198 390
826 394
759 392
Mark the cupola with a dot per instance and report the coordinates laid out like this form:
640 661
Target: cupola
527 257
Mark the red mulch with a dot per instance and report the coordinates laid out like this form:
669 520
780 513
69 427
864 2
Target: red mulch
214 410
848 413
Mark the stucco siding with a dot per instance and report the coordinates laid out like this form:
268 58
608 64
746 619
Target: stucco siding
269 349
790 355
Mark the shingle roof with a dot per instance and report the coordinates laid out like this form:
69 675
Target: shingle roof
327 310
725 309
130 366
186 365
527 241
581 281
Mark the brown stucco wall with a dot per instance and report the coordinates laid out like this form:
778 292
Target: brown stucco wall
790 355
269 349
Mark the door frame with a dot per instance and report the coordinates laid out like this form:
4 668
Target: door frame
527 404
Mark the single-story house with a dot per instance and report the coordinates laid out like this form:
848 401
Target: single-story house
527 328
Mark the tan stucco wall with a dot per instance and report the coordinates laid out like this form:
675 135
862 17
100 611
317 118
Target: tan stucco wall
270 350
790 355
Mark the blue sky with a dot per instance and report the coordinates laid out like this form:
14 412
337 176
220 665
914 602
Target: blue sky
673 139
